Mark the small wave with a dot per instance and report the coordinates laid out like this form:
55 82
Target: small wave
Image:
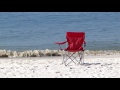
48 52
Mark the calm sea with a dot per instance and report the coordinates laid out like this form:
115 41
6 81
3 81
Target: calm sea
39 30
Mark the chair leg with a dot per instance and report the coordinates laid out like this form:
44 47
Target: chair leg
68 55
64 58
63 55
81 57
72 55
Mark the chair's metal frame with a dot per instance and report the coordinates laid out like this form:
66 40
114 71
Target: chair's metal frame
68 55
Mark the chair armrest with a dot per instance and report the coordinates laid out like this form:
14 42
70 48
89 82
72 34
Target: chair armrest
60 42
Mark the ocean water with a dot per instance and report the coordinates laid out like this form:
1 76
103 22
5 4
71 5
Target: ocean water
39 30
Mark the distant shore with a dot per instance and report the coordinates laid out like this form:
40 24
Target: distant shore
48 52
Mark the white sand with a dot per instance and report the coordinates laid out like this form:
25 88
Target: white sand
107 66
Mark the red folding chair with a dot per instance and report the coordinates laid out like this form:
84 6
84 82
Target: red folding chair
75 48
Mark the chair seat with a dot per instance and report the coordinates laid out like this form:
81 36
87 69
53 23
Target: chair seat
74 50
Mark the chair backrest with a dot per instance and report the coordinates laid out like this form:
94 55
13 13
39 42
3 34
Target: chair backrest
75 40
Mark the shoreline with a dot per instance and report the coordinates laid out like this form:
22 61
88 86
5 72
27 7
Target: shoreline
48 52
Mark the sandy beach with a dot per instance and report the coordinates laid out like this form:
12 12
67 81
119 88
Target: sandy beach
95 66
28 47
